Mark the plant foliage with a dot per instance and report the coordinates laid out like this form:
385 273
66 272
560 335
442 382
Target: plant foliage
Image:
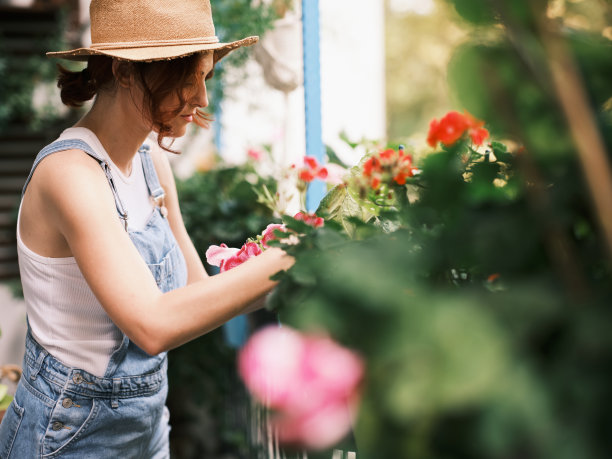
479 292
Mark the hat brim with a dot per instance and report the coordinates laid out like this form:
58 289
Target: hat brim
155 53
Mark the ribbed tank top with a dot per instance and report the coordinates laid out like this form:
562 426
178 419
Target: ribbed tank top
64 315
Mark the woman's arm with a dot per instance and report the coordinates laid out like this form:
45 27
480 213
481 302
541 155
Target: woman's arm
82 208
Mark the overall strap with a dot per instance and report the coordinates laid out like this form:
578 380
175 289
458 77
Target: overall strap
155 189
78 144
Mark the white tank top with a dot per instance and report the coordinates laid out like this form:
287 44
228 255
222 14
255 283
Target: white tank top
64 315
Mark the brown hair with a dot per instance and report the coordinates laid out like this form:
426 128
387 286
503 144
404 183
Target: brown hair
158 80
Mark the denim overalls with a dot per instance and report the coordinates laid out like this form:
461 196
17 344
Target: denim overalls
69 413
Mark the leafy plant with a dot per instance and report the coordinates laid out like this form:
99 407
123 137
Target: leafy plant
475 291
20 75
208 402
221 206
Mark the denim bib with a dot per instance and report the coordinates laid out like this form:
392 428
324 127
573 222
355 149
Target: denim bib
63 412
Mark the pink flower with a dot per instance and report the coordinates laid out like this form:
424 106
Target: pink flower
318 429
248 250
215 255
310 381
310 219
254 154
227 258
270 366
269 235
335 174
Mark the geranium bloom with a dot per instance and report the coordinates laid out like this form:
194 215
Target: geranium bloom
450 128
217 254
311 170
227 258
269 235
310 381
388 165
310 219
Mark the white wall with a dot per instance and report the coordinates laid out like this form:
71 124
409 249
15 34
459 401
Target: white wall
352 87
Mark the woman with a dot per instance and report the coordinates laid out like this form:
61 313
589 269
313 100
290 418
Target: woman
111 279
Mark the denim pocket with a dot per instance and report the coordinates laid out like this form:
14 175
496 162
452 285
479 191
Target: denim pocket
69 421
9 427
170 272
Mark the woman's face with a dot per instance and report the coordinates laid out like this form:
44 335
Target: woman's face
195 97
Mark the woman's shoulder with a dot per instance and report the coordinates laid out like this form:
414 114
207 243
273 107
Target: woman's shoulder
68 163
69 174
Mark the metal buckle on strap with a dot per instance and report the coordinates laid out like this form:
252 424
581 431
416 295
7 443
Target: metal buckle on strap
123 215
160 202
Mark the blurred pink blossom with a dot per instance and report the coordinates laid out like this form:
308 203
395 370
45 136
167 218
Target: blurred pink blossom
335 174
268 233
310 219
309 380
254 154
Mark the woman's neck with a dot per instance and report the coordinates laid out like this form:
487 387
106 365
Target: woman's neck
119 127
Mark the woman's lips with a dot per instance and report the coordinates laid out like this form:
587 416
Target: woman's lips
188 118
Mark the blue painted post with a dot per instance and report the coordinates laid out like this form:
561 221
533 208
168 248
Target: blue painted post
312 96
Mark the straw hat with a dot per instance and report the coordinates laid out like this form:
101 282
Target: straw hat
150 30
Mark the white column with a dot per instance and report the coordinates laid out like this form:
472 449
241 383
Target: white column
352 71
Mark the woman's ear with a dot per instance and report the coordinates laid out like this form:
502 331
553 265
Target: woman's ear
122 74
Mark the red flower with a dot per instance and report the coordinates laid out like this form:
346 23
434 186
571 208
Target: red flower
305 175
310 219
388 155
453 126
386 166
311 170
401 177
478 135
311 162
370 166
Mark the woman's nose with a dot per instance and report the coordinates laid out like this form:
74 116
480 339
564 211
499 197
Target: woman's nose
200 97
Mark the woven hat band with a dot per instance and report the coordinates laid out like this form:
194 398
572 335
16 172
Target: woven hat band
138 21
154 43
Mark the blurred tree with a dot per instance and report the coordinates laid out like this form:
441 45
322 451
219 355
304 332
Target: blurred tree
417 54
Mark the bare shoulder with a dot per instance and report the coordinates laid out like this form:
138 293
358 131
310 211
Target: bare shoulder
69 173
68 195
73 188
